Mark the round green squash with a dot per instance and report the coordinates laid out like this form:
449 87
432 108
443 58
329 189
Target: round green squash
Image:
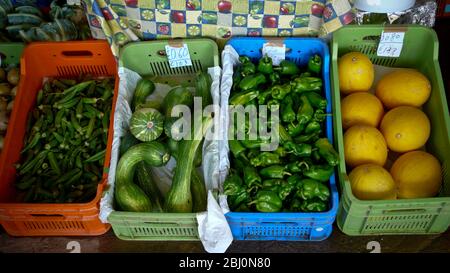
147 124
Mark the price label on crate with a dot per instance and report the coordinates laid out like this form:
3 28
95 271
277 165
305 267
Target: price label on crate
391 44
275 51
74 2
178 56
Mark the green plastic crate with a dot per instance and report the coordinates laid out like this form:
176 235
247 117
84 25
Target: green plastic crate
413 216
148 59
10 53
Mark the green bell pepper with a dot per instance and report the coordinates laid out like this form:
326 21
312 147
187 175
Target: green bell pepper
265 65
305 74
319 172
316 100
235 201
308 138
315 205
268 183
237 149
298 166
315 155
244 59
319 115
327 151
295 130
313 126
265 159
283 135
239 164
310 188
248 69
274 171
253 153
300 150
274 78
294 180
237 77
281 187
281 151
306 84
232 184
285 189
305 111
287 114
243 207
251 177
287 68
264 96
252 81
315 64
254 144
280 91
274 103
267 201
295 205
253 102
244 98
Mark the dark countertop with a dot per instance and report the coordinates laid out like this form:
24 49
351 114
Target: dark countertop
337 242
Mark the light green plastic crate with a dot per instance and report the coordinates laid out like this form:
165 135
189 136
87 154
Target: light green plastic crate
148 60
413 216
10 53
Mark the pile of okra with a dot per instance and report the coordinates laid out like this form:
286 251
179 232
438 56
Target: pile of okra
65 142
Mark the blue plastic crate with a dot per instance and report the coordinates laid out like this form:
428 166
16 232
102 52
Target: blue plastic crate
280 225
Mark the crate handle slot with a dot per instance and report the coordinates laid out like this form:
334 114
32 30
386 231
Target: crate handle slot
48 215
164 224
77 53
371 38
408 211
280 223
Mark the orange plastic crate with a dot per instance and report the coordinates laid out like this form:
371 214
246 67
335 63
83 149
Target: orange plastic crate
39 61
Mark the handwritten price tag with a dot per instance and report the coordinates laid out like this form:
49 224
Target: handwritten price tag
178 56
391 44
275 51
73 2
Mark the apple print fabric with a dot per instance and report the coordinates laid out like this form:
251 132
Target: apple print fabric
123 21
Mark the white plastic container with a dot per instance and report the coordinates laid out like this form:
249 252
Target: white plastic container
383 6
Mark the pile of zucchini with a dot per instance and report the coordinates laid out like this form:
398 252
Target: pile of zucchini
65 142
151 142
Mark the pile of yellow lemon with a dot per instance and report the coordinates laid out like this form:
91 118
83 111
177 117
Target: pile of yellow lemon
391 120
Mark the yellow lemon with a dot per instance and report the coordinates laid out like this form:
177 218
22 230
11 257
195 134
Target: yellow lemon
372 182
356 73
361 108
403 87
364 144
417 174
405 128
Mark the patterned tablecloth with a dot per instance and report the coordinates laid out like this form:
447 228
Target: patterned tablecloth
123 21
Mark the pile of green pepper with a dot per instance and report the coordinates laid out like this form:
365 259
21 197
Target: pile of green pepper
294 177
66 138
